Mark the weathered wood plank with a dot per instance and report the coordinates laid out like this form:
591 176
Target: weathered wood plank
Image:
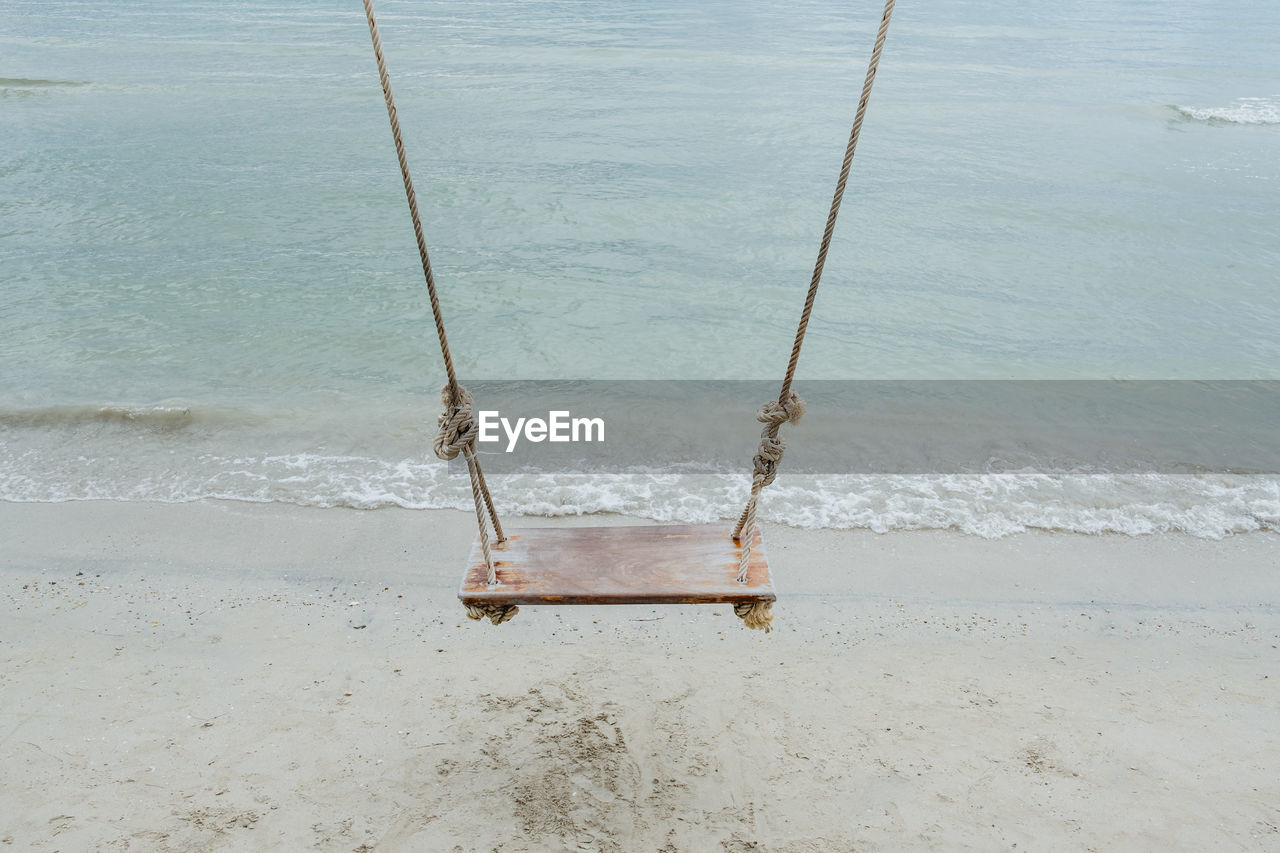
645 564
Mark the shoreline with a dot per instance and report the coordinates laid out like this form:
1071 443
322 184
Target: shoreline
228 676
429 546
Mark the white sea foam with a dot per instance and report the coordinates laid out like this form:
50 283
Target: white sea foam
991 505
1239 111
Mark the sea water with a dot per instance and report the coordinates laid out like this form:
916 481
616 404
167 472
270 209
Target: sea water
209 286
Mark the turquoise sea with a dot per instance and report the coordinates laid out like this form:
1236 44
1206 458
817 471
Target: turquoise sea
209 286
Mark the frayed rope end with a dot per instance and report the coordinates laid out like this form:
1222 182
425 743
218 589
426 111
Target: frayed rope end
756 615
495 613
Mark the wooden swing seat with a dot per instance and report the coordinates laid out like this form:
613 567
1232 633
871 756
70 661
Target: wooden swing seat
647 564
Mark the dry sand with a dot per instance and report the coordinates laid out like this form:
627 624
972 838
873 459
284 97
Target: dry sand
235 677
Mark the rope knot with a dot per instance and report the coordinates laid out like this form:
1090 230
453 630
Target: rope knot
457 432
776 412
766 460
773 415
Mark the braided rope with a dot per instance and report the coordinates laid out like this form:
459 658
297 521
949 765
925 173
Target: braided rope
789 407
457 432
412 197
773 415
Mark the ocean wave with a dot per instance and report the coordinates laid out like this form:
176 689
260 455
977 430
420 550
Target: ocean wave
34 83
990 505
1256 111
157 417
24 87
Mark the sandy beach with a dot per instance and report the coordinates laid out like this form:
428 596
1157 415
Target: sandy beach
1026 543
229 676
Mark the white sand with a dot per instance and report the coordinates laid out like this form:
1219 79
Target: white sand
239 677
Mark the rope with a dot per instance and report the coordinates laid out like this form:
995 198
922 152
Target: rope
411 196
495 613
789 407
773 415
756 615
457 433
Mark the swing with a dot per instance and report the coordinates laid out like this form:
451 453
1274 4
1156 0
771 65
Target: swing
646 564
